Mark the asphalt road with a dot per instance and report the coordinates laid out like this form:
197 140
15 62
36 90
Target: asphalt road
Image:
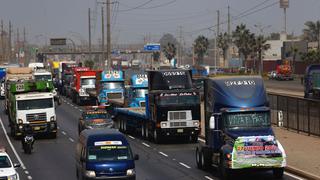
294 85
53 159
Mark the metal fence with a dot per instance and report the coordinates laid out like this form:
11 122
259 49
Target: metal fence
302 115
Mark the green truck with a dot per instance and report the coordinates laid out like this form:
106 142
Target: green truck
31 102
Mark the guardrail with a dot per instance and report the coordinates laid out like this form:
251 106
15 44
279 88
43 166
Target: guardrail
302 115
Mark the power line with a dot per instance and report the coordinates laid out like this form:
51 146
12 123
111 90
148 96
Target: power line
160 5
137 7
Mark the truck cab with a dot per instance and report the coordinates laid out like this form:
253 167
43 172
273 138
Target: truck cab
104 154
238 130
111 86
136 93
312 81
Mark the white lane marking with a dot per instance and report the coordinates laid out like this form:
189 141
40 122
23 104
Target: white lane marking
68 103
26 172
64 133
146 144
29 177
173 159
58 127
163 154
131 137
294 176
71 139
71 105
76 107
12 147
207 177
184 165
202 140
80 110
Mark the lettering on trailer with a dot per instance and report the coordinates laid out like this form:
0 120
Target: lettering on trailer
174 73
178 94
240 83
103 143
141 78
81 69
19 87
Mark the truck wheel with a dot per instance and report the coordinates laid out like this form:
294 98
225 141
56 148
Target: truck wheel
156 137
206 157
278 173
224 172
198 158
193 139
143 130
125 125
147 132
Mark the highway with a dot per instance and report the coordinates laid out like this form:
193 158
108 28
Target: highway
54 159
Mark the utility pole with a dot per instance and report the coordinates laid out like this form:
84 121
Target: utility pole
109 34
2 44
180 46
18 46
218 22
10 45
229 39
216 38
24 46
89 19
102 38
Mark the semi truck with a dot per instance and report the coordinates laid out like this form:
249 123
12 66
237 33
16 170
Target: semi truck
2 80
172 108
238 132
284 71
136 93
66 77
109 86
31 103
83 79
312 81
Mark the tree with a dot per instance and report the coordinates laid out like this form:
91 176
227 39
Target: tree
311 57
223 43
169 51
168 38
312 31
201 45
89 64
294 51
259 47
244 40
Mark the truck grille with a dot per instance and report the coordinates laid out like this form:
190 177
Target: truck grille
114 95
37 117
3 178
178 115
178 124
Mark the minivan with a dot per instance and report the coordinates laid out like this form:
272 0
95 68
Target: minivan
104 154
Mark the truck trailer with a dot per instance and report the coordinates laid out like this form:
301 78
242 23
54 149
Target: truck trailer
238 132
172 108
312 81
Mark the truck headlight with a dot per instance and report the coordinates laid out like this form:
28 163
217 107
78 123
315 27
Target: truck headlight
163 124
52 118
196 123
90 174
20 121
13 177
131 172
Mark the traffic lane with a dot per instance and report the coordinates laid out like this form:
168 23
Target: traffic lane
22 171
51 158
156 166
294 85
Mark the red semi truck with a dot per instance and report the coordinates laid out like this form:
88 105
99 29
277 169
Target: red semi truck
83 80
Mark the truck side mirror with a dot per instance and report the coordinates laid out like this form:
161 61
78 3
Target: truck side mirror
212 124
280 118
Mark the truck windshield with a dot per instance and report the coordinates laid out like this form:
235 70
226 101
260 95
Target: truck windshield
140 93
88 81
109 153
247 119
172 100
35 104
113 85
4 162
43 77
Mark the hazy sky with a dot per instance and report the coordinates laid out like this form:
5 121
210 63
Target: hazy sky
133 20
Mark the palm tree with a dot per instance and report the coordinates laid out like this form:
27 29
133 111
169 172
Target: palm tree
312 32
223 43
294 51
169 51
244 40
200 48
259 47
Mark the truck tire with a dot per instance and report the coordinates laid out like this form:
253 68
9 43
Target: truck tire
193 138
225 173
156 137
143 130
206 158
199 158
278 173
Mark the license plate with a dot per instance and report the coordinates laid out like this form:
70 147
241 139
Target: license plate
180 130
36 128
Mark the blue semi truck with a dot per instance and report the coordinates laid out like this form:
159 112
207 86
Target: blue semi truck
136 93
109 85
312 81
172 108
2 81
238 133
